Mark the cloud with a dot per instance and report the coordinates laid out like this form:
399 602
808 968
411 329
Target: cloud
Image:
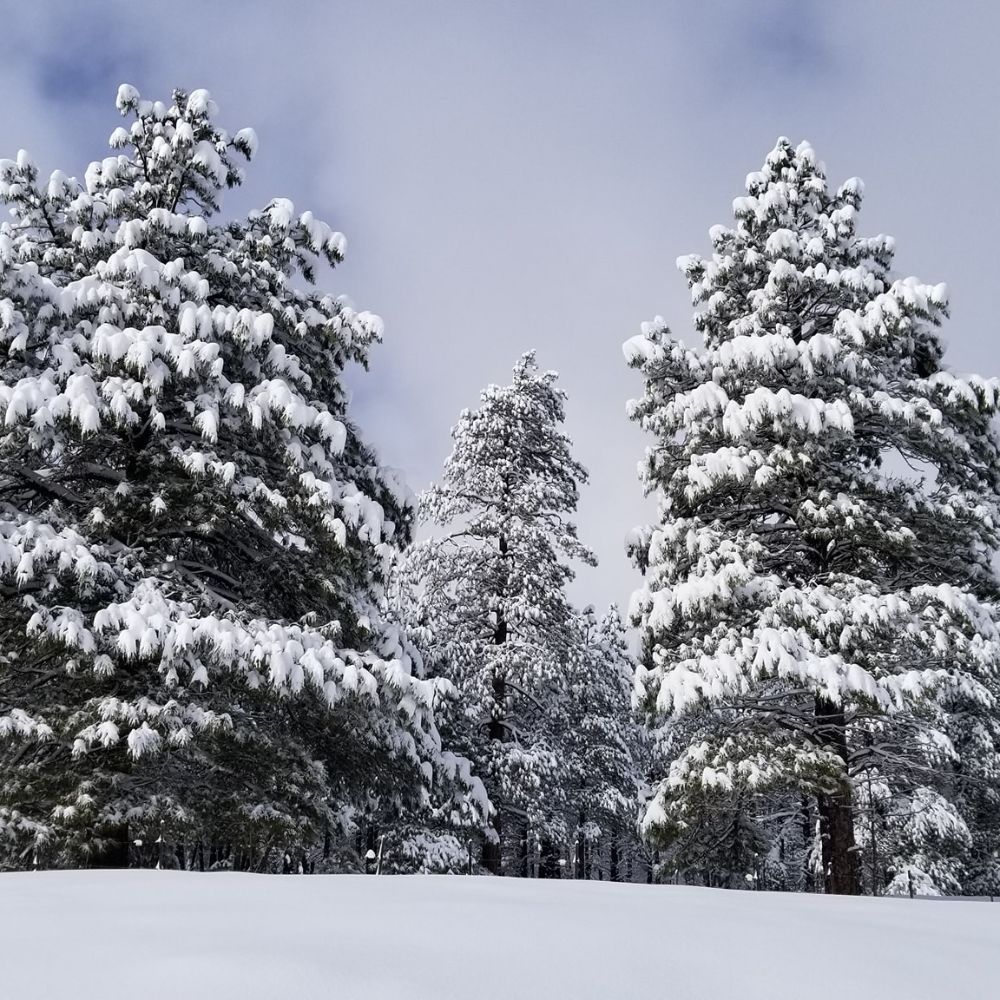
792 41
524 174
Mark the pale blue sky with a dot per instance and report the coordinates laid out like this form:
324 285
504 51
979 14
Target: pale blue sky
523 174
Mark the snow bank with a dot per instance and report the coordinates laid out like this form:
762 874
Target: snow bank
160 935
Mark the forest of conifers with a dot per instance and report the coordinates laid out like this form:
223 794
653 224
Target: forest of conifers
231 638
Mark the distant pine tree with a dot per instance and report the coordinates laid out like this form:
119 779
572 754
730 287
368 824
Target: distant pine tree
492 593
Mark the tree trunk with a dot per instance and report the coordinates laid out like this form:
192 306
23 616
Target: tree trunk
581 848
116 852
523 847
836 810
493 851
874 837
613 860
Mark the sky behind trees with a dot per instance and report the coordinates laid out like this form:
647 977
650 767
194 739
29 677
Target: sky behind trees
523 174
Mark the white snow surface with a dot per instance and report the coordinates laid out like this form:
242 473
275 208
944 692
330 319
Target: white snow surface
160 935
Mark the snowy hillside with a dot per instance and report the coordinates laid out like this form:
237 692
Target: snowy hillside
160 935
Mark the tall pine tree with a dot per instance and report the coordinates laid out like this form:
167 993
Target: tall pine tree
819 580
493 593
193 534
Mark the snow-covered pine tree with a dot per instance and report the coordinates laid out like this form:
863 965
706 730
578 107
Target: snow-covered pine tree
942 828
493 594
828 509
601 745
918 834
975 786
193 534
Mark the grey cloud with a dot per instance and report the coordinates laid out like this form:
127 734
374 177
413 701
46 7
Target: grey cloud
524 174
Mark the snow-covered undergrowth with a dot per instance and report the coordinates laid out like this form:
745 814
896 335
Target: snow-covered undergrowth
160 935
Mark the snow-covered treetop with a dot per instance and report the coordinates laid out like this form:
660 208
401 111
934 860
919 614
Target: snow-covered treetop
512 445
511 476
183 158
810 343
128 312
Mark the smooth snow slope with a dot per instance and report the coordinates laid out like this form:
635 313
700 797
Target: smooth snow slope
174 936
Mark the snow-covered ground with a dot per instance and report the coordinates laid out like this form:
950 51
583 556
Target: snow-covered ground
174 936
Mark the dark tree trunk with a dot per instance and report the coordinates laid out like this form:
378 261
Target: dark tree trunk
523 849
493 851
836 810
613 860
581 847
873 835
839 856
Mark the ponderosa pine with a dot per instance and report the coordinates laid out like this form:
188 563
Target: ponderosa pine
819 582
492 592
193 533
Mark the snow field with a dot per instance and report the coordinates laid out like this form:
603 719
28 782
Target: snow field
170 935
